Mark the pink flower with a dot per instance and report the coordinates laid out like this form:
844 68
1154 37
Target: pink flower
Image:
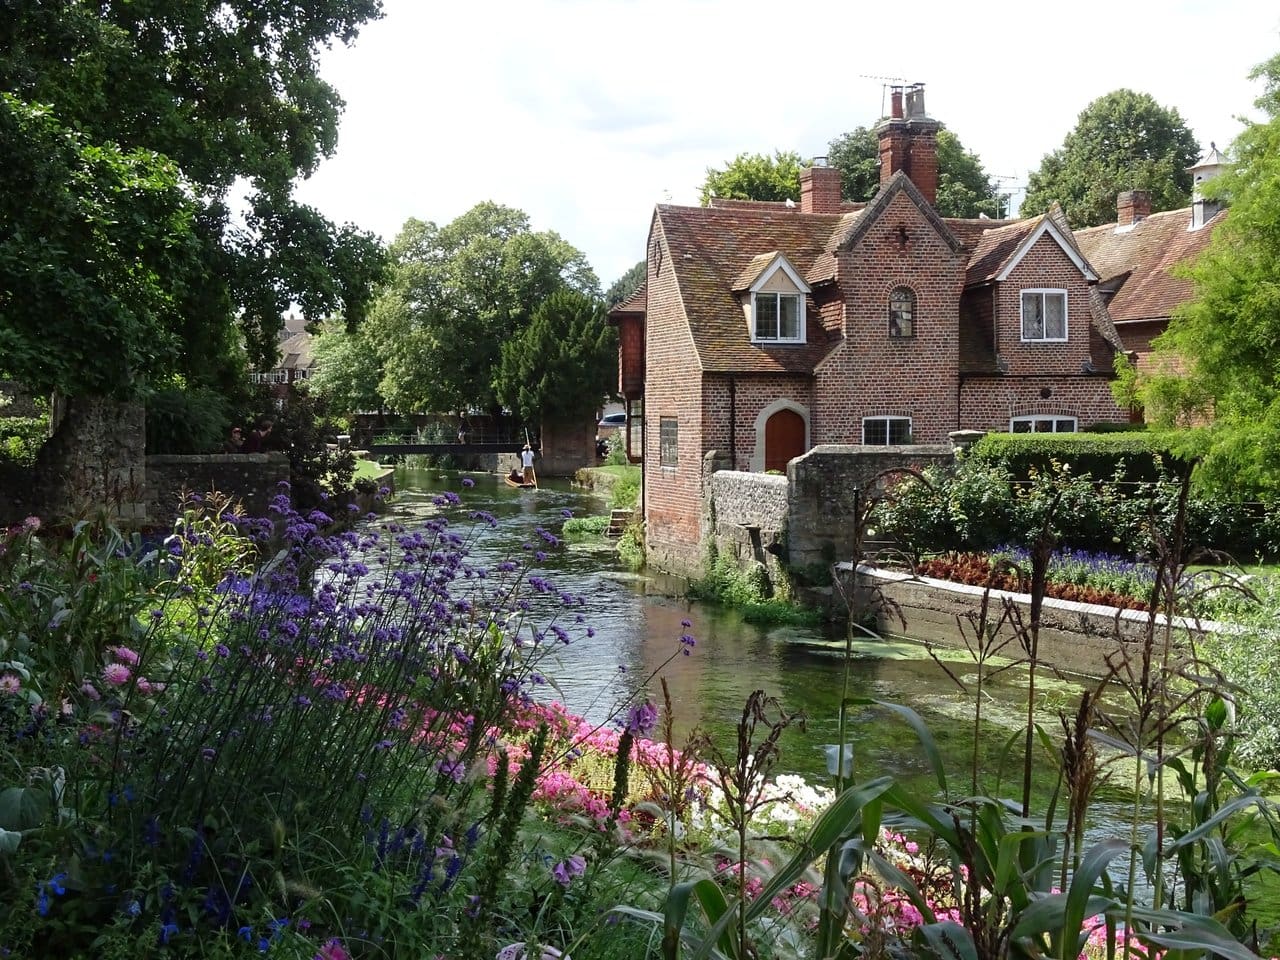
125 655
332 950
116 674
90 691
10 684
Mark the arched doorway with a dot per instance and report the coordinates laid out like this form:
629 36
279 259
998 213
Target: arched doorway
784 439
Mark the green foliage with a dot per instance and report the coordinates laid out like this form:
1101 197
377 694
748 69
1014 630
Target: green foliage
754 176
617 446
627 284
304 431
98 240
583 528
182 419
1121 141
457 293
21 438
562 363
624 494
348 369
1225 339
1125 455
750 593
136 266
631 545
964 189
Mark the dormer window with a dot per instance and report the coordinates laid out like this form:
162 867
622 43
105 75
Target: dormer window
773 297
778 316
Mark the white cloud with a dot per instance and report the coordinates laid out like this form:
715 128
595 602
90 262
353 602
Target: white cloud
585 113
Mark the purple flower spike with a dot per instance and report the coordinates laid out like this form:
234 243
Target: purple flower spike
641 719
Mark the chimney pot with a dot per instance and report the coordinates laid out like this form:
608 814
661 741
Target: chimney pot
895 101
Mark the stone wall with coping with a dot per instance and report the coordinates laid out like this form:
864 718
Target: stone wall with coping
745 517
827 485
251 478
1074 637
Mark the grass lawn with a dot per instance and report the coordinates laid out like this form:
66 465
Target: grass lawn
368 470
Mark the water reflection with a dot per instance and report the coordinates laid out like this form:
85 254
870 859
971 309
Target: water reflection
638 623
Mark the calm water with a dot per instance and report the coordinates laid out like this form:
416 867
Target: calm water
638 622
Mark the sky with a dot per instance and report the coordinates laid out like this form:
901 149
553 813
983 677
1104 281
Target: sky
586 113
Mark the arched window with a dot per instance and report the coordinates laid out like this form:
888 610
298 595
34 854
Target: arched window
902 313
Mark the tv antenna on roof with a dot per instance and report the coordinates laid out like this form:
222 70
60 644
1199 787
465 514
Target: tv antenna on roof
885 83
1004 196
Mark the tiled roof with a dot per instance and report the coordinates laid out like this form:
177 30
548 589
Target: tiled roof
638 302
995 248
711 248
296 349
1146 253
753 270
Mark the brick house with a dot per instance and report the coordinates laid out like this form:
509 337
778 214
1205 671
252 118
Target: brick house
770 328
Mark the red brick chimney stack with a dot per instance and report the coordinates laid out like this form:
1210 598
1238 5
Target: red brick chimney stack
909 141
1132 206
820 188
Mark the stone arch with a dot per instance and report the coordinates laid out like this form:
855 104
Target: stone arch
760 455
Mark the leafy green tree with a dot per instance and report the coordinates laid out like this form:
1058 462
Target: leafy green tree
222 94
1121 141
96 241
755 176
348 369
964 189
1221 351
856 155
456 294
625 286
562 363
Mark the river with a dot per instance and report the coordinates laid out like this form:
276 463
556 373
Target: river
638 622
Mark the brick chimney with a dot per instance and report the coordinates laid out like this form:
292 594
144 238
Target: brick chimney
909 141
1132 206
820 188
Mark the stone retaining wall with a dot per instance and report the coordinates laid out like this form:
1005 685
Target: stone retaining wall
745 518
251 478
1074 637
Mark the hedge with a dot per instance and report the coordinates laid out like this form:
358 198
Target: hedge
1130 456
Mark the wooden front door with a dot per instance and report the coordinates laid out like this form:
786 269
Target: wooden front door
783 439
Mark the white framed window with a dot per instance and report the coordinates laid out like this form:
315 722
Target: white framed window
1041 423
778 317
1044 315
902 313
886 431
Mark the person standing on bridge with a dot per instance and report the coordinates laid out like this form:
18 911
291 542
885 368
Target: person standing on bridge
526 460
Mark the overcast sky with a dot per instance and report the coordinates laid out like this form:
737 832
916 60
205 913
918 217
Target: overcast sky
585 113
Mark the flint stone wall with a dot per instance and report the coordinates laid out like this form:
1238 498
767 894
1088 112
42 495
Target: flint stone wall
251 478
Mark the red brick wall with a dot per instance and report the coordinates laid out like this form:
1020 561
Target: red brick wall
673 388
873 375
750 395
1045 265
988 403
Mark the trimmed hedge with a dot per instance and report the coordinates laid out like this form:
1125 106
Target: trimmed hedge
1128 456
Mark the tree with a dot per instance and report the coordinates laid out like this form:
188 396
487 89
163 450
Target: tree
964 190
1224 345
562 363
348 369
755 176
95 242
625 286
218 94
1121 141
456 294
